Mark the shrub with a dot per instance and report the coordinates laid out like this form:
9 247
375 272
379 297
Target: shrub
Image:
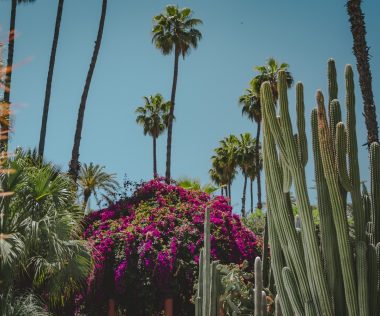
147 247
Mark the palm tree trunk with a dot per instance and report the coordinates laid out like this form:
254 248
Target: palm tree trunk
154 157
49 79
74 163
251 195
8 80
360 50
259 203
86 196
229 191
171 116
243 197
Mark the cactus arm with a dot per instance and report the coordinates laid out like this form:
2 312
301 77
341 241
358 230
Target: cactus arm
340 150
292 289
278 262
327 228
263 303
277 302
332 82
206 265
352 151
214 291
361 262
375 190
302 141
337 209
258 286
198 301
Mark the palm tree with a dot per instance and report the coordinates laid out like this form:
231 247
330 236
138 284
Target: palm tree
245 160
361 52
8 74
92 178
216 178
175 30
225 161
49 79
74 166
154 116
251 105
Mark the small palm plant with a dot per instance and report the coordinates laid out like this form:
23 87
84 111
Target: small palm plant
40 246
92 179
175 30
154 118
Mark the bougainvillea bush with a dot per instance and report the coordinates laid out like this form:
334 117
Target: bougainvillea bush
146 248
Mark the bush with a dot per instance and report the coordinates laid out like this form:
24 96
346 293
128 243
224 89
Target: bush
147 247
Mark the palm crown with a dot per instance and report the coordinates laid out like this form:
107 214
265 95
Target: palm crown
153 116
93 178
175 29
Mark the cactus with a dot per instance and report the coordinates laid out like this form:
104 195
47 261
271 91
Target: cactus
206 266
258 287
339 275
210 288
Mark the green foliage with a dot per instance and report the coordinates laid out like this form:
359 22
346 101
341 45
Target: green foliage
255 221
40 243
24 305
175 29
195 184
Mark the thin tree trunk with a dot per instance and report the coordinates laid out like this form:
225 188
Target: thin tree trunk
229 192
251 194
360 50
74 163
49 79
259 203
171 116
221 191
243 197
154 157
8 80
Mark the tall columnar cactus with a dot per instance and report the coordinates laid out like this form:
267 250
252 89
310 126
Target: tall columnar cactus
336 274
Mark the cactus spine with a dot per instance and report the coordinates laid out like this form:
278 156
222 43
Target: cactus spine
343 282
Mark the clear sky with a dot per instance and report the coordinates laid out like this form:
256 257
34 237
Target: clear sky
237 35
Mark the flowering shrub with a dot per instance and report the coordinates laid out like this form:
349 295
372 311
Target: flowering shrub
146 248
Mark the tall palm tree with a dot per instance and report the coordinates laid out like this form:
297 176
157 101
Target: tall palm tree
92 178
74 166
175 30
245 160
153 117
8 74
361 52
251 105
225 161
49 79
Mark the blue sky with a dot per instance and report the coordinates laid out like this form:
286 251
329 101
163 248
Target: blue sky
237 35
